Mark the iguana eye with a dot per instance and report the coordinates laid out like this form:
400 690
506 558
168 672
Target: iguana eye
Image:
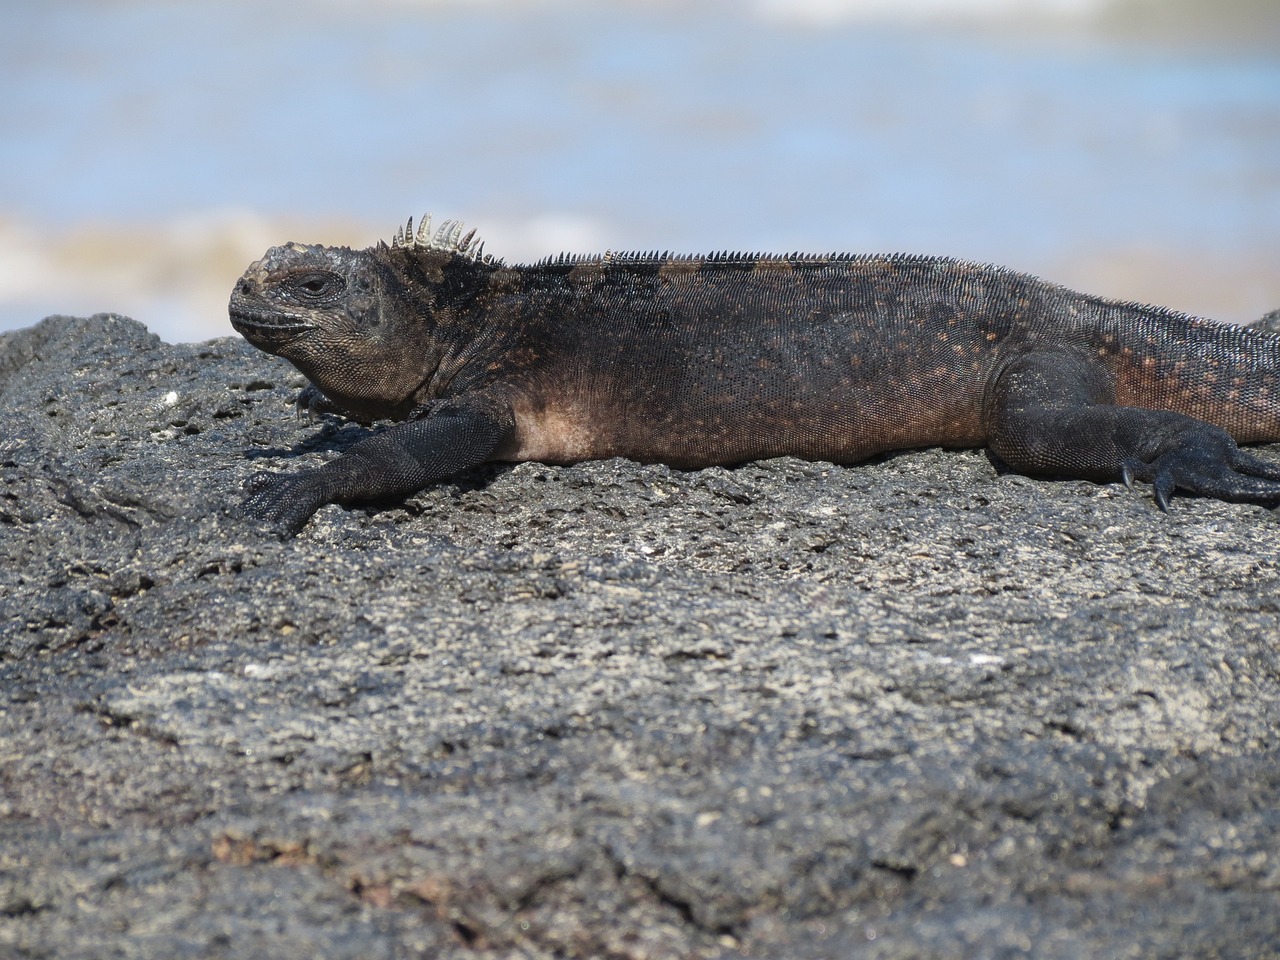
318 286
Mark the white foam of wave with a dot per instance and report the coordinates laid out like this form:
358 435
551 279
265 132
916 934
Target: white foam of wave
176 276
529 240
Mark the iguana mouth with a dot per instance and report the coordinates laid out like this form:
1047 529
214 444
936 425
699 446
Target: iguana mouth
263 327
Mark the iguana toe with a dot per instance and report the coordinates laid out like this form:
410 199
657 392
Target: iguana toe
283 502
1207 463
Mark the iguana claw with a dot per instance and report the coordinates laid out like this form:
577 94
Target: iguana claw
1206 461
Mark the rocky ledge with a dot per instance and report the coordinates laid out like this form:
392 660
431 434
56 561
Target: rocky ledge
914 708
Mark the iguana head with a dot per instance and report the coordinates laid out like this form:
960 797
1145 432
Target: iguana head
360 324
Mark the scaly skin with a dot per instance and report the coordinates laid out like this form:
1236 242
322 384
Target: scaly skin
694 361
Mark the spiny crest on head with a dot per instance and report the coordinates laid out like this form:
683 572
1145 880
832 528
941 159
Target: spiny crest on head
449 238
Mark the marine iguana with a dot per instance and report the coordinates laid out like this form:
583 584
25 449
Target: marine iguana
700 360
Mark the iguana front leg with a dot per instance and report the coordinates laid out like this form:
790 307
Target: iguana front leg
1053 413
312 403
445 438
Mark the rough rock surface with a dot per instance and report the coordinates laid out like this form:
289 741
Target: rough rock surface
916 708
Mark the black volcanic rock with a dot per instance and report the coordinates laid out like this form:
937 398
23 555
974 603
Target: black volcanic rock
910 708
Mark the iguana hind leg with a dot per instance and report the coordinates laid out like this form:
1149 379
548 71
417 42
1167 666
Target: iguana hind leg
1052 413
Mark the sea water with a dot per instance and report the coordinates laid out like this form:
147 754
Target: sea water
149 150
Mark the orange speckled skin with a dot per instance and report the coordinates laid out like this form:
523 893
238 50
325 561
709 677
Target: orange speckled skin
694 361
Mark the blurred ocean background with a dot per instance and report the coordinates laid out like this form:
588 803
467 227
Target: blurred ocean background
150 150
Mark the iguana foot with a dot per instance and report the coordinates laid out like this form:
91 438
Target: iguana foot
284 501
312 403
1206 462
